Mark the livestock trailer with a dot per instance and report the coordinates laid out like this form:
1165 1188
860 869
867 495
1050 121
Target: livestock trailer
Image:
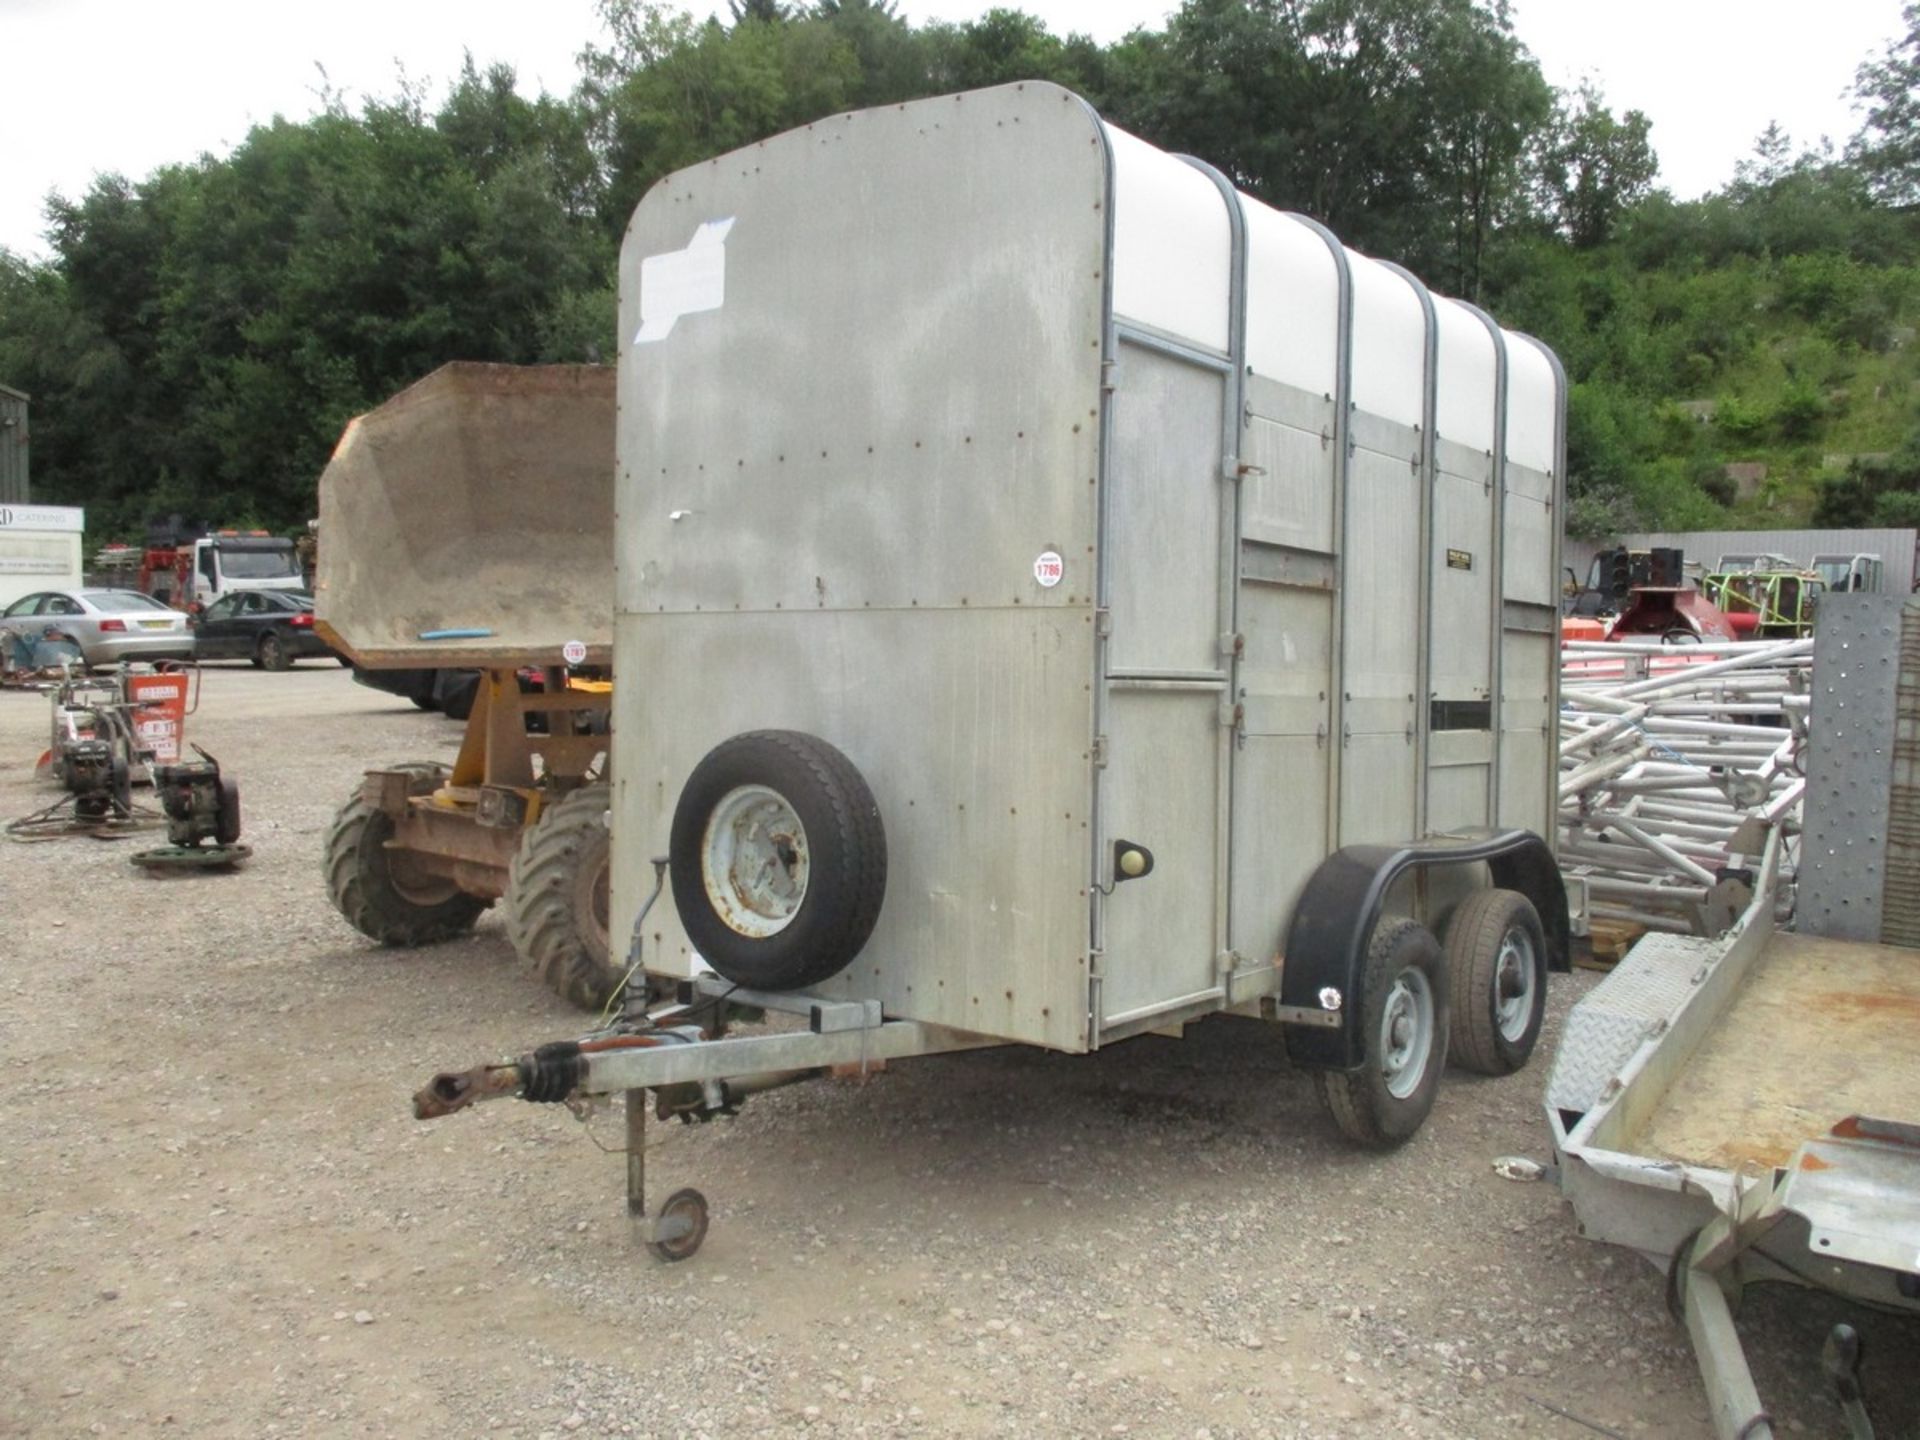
1080 599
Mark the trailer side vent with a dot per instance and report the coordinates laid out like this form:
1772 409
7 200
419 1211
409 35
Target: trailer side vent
1461 715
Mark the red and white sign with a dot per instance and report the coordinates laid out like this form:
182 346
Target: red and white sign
574 652
1049 569
160 714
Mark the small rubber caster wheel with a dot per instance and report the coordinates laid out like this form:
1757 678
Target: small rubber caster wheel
680 1226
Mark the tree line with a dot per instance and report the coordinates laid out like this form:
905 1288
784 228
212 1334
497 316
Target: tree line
199 336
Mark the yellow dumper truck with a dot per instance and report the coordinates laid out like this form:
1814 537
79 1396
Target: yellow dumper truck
469 525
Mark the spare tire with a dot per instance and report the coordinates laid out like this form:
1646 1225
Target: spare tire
778 858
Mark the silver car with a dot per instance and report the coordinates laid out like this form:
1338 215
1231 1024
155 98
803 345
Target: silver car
108 625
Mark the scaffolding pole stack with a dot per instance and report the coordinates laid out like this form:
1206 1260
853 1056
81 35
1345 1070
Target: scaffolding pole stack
1674 762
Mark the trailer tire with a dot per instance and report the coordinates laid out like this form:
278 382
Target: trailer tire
1496 944
559 895
369 883
778 858
1388 1098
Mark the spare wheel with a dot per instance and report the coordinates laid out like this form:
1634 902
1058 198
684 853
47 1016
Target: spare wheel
778 858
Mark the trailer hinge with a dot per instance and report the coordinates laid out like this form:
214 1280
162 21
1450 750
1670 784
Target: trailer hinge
1231 468
1228 961
1103 622
1232 645
1346 734
1100 752
1095 967
1107 367
1320 736
1233 714
1326 437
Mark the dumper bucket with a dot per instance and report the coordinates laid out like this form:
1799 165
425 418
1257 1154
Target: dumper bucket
468 521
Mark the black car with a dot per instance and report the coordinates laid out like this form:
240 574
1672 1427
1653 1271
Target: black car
272 628
450 692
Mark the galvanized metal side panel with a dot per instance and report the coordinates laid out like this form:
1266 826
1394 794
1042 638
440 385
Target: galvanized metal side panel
1163 516
1172 245
1166 679
860 398
1160 789
971 727
1287 496
1281 825
1845 865
1287 609
1529 666
1900 906
1381 606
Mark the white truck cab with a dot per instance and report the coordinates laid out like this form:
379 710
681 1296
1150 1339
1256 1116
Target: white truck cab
228 560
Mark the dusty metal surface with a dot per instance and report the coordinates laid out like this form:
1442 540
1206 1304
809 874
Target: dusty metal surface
480 502
1900 901
1822 1030
1845 866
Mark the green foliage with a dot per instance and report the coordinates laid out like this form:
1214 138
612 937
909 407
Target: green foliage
201 334
1887 149
1876 493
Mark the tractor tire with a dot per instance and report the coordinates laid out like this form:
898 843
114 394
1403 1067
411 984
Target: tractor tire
273 652
1497 971
559 894
778 858
372 886
1404 983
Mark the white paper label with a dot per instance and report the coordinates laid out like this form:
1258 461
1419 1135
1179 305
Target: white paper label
574 652
1049 569
683 282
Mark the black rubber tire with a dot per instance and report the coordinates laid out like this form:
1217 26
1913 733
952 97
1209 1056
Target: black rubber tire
274 653
1474 936
423 702
254 658
362 885
1359 1101
227 821
558 898
454 693
846 859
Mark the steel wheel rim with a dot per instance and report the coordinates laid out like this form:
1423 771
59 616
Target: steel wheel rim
1406 1032
755 861
1514 972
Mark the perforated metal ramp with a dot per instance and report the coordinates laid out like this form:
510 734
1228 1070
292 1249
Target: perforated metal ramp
1624 1011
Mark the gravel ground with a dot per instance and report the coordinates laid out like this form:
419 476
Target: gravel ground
218 1217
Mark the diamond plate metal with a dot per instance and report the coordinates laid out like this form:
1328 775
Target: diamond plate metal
1850 741
1643 991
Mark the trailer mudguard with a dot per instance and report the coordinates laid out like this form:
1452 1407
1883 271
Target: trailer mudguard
1334 919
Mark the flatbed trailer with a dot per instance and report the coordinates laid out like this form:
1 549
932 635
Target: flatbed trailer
1746 1109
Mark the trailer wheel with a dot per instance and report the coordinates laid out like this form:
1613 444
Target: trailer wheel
1497 970
1404 1020
558 898
778 858
381 892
